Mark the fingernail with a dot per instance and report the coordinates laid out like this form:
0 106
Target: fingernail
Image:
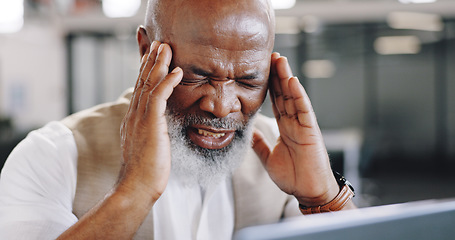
176 70
154 43
160 48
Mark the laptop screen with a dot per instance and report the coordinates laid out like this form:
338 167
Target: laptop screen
432 219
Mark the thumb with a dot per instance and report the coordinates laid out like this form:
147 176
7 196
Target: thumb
260 146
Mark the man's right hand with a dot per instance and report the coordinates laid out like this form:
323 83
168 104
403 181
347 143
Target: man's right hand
144 137
146 155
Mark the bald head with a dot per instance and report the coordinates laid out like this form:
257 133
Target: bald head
224 49
208 22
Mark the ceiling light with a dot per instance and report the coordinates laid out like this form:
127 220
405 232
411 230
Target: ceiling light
416 1
318 69
11 15
283 4
120 8
397 45
416 21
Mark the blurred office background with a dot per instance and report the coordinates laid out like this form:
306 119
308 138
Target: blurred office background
380 74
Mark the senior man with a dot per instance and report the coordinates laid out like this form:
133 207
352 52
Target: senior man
182 140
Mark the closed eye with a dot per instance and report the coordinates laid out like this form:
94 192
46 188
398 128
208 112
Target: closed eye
192 82
247 83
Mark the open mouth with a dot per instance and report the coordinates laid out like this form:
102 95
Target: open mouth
210 134
210 138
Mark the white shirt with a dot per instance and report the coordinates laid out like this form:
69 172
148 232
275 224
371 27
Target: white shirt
38 185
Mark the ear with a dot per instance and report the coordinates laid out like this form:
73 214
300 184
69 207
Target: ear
143 41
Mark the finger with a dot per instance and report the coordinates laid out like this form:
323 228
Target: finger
273 75
260 146
147 62
284 73
276 91
158 98
272 78
276 113
289 100
275 56
158 72
304 110
161 67
283 69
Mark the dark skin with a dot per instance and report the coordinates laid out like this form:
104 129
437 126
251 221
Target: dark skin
216 63
225 75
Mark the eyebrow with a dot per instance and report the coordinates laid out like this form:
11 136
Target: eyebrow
204 73
200 71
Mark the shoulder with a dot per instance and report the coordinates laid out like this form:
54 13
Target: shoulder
53 132
98 128
44 156
38 180
114 111
53 136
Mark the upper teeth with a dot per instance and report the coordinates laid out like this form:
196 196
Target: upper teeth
207 133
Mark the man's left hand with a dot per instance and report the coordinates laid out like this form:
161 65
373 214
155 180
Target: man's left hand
299 163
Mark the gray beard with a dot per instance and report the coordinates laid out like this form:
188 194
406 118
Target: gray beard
194 165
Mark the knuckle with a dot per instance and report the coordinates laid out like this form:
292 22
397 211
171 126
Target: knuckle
160 63
158 72
287 97
161 68
153 96
148 84
140 83
292 116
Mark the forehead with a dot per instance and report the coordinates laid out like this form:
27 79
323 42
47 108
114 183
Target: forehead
221 62
218 24
221 37
232 33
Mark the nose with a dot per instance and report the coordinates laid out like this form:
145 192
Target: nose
221 99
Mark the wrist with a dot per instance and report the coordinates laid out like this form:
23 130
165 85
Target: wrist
341 200
321 199
141 184
136 193
324 190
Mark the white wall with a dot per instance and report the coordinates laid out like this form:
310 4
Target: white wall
32 76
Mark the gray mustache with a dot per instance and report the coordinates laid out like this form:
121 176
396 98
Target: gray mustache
226 123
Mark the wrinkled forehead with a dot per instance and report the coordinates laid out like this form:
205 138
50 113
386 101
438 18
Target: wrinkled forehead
241 26
230 32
